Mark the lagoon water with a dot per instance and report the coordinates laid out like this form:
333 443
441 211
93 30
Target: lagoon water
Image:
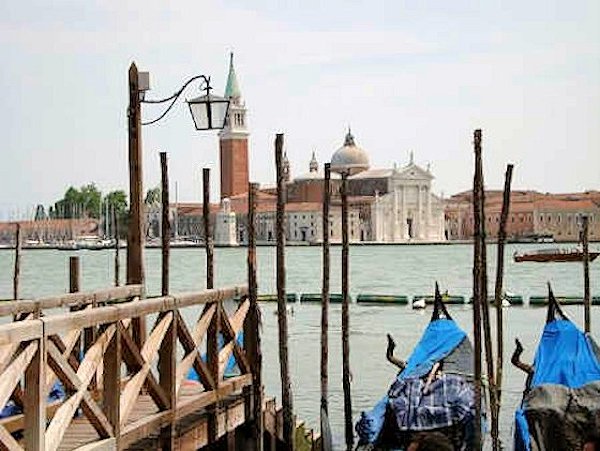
407 270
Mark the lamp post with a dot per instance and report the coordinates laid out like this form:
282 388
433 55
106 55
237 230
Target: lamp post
208 112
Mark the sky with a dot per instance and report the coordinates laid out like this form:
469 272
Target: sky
405 75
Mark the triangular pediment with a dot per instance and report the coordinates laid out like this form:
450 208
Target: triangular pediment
413 172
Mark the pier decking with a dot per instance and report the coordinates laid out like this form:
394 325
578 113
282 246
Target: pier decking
122 391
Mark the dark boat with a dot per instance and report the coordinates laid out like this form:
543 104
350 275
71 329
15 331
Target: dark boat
433 392
553 255
560 409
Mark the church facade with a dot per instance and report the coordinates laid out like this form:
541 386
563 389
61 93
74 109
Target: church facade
386 205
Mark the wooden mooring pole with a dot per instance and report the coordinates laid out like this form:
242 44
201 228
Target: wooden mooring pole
586 274
165 223
251 327
286 386
349 430
117 249
499 287
208 239
477 292
485 305
17 271
325 294
167 367
135 236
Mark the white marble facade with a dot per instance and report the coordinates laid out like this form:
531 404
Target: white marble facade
225 226
409 211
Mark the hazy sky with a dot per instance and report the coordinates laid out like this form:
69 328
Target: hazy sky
406 75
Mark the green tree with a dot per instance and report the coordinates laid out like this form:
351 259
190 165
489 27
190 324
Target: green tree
153 197
77 203
117 201
40 213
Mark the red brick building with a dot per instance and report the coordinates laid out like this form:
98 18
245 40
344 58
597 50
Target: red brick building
233 141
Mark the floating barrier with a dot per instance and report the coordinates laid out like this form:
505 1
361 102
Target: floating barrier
381 299
513 299
446 299
563 300
315 298
291 297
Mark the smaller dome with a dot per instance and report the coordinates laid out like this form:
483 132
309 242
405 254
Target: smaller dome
349 158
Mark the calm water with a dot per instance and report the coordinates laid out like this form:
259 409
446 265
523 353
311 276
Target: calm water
405 270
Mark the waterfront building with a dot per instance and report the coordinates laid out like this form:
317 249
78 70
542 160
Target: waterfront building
389 205
532 214
49 231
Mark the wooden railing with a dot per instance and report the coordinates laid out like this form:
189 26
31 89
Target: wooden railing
120 391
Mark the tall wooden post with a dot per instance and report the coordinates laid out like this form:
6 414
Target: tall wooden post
477 290
17 272
74 276
586 273
325 293
165 223
286 386
167 371
35 399
208 239
485 305
346 317
498 287
135 236
117 249
251 326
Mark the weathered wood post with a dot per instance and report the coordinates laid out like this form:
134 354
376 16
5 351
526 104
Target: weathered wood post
498 287
251 326
135 236
587 302
117 249
35 399
477 290
286 386
212 359
165 223
112 382
325 293
208 238
485 305
17 271
74 287
349 431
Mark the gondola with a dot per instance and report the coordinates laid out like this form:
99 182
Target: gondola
560 409
434 390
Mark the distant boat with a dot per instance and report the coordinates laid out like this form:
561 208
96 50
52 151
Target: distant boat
553 255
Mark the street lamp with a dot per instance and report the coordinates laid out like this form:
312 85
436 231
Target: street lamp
208 112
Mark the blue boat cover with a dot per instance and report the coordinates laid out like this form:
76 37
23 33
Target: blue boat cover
564 356
440 338
231 363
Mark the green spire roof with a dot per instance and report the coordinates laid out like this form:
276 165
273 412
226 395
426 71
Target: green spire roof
233 88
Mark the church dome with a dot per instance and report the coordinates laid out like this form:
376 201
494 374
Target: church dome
349 158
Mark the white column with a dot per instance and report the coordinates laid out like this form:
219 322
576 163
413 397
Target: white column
403 232
419 233
428 228
394 219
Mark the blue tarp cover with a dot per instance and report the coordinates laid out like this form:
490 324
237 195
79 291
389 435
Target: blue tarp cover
231 363
564 356
440 338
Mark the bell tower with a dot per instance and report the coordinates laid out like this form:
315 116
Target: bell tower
233 140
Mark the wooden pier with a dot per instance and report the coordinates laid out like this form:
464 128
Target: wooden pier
119 395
